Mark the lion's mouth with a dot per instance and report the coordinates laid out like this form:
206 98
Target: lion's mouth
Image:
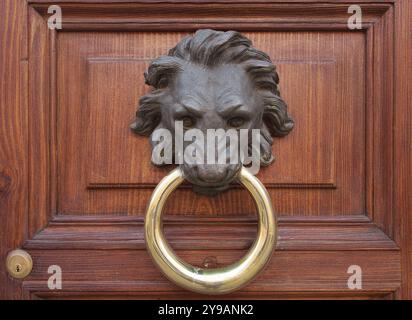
210 179
209 191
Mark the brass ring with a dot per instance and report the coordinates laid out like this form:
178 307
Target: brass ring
218 280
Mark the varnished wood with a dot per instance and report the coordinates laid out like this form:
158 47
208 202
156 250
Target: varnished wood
110 160
267 16
13 137
67 200
208 233
91 272
403 141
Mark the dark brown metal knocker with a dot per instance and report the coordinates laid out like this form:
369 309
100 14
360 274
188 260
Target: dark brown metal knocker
213 80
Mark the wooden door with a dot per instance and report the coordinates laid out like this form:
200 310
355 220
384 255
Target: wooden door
75 181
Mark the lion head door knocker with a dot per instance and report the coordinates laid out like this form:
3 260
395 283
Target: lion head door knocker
211 80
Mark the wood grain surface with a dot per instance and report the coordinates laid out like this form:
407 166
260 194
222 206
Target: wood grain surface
74 181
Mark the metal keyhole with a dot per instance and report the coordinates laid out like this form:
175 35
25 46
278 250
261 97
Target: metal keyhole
19 264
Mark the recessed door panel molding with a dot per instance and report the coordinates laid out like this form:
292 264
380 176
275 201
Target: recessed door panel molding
109 160
90 178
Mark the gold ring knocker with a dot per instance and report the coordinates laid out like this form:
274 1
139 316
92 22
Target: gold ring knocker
218 280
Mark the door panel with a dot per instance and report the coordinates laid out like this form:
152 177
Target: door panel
90 178
108 170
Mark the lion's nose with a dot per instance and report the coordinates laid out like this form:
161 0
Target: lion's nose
212 172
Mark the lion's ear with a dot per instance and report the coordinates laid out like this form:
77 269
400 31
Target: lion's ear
134 126
276 118
148 115
276 123
144 125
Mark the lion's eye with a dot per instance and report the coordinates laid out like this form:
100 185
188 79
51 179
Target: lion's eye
236 122
188 122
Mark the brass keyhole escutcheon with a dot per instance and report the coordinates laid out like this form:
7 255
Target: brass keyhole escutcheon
19 264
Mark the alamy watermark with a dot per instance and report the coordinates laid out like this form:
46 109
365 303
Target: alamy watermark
55 280
355 279
355 20
56 18
215 146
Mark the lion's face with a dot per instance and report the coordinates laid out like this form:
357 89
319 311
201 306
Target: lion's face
214 80
212 98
